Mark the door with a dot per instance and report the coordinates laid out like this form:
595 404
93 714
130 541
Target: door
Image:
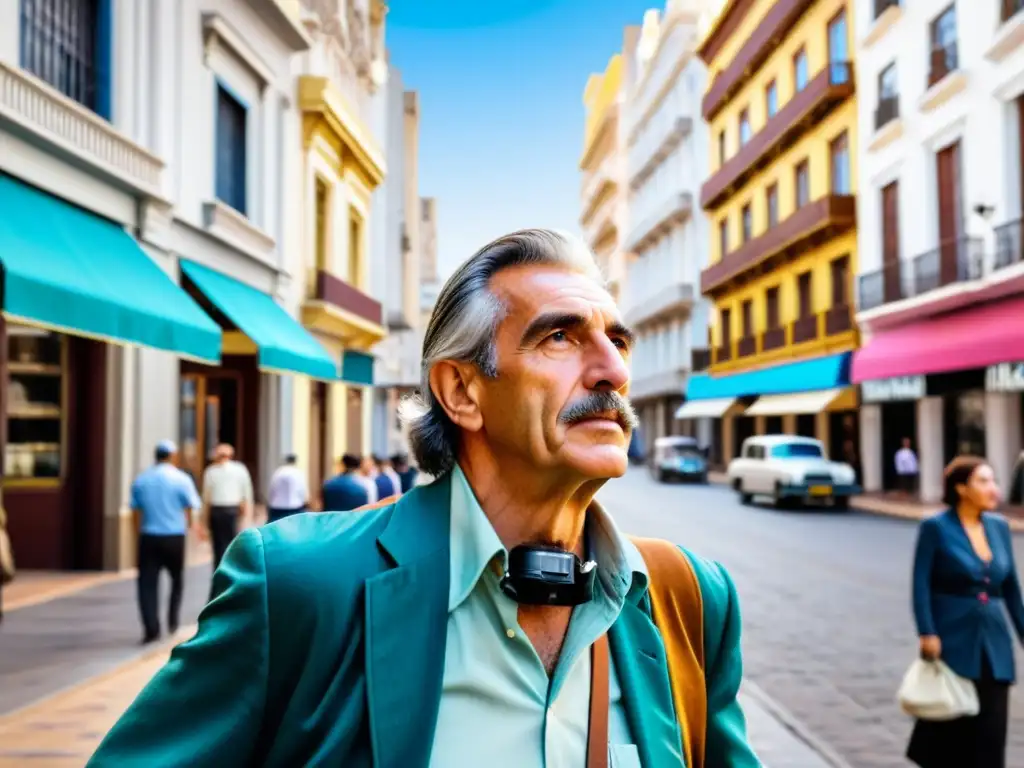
891 241
950 211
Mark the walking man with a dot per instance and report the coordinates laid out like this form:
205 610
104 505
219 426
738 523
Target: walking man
163 501
227 498
289 492
907 468
496 617
345 491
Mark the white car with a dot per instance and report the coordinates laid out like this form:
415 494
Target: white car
791 469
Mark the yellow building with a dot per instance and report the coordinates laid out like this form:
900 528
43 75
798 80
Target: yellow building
342 165
780 199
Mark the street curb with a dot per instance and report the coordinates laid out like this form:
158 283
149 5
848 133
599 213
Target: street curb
793 724
143 655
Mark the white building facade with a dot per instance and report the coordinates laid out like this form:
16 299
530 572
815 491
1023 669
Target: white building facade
143 155
667 234
940 88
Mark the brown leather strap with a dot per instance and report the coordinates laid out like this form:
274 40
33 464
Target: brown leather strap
597 733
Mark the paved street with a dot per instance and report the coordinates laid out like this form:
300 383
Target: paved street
826 600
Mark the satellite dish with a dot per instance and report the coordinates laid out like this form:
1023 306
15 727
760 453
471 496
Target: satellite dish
379 72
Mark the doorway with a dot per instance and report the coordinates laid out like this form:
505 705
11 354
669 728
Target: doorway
899 421
321 460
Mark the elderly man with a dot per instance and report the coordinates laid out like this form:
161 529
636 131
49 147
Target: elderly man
494 617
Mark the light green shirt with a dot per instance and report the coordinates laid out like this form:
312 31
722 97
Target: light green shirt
498 706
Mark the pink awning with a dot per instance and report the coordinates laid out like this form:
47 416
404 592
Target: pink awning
977 337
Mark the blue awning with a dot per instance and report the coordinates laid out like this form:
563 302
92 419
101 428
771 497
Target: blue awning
70 271
357 367
284 345
830 372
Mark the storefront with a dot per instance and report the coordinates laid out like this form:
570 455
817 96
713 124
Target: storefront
73 284
958 374
809 397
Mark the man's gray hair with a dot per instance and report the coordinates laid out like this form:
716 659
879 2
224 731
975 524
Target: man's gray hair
463 326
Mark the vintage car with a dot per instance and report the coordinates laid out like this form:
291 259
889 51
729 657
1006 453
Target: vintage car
791 469
678 458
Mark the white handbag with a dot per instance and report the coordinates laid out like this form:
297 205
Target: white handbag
932 691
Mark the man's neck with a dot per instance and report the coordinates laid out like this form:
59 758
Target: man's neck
525 510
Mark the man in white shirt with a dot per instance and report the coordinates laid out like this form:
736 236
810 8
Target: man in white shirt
289 492
227 497
367 477
906 467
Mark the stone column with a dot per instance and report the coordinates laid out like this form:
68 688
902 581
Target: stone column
871 447
1002 434
930 447
823 428
789 424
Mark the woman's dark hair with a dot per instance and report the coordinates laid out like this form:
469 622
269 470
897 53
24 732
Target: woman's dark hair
959 472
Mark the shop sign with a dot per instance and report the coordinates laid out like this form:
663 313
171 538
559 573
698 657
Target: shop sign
890 390
1005 377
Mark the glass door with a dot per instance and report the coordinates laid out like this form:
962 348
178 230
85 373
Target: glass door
838 49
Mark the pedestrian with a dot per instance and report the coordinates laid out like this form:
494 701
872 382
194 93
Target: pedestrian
345 491
495 617
907 469
367 477
288 493
163 501
227 498
387 482
406 472
965 582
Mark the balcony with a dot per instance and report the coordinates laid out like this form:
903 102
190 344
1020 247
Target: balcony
954 261
674 210
888 109
804 329
654 147
746 346
340 310
764 39
887 13
594 186
44 117
943 60
675 298
829 88
723 354
817 221
773 338
1009 244
838 320
1010 34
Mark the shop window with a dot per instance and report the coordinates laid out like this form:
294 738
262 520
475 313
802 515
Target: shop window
230 148
67 44
36 397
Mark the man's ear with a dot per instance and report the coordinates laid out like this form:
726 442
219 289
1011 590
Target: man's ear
454 386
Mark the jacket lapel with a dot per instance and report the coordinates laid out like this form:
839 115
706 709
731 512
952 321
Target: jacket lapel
642 668
406 627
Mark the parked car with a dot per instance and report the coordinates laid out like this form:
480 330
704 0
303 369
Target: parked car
678 458
791 469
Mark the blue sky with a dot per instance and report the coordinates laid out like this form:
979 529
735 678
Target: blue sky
501 88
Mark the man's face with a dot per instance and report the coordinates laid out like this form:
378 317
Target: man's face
561 343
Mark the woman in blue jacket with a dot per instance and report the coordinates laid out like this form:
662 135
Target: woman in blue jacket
965 582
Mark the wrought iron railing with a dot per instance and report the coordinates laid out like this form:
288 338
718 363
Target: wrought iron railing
954 261
1009 242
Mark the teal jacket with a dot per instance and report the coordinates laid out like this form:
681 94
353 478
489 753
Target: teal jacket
324 646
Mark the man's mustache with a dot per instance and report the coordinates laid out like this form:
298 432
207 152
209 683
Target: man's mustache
597 403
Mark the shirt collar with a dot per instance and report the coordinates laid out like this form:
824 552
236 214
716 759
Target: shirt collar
621 571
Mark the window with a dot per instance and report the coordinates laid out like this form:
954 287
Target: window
840 281
748 223
355 247
726 327
721 147
36 368
322 220
772 201
771 99
800 73
796 451
723 237
803 287
839 153
802 184
745 131
944 57
231 150
66 43
887 85
748 318
838 49
771 300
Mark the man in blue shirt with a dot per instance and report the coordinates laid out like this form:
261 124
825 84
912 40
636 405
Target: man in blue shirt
344 492
163 501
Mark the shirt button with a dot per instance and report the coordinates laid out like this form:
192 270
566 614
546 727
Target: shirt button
510 633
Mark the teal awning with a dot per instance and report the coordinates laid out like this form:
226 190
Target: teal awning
832 372
357 367
284 345
71 271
